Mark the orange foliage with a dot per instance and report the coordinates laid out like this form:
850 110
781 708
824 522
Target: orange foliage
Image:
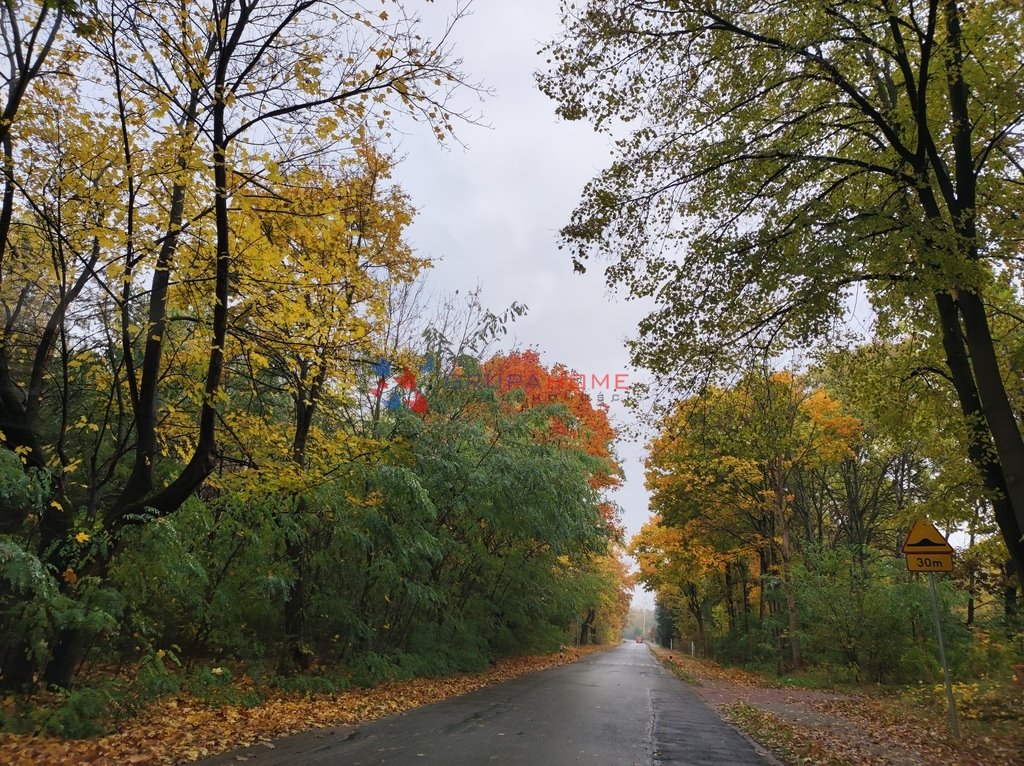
710 468
589 429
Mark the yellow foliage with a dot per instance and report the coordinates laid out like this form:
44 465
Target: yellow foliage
714 468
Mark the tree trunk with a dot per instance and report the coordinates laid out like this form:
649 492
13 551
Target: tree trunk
585 628
17 670
764 563
779 491
295 612
972 583
693 603
136 496
67 650
981 449
995 404
1011 571
730 602
958 187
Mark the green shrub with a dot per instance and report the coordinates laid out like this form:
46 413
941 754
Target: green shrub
371 669
85 712
875 618
33 607
313 683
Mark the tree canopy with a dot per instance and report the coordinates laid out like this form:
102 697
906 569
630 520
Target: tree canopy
780 504
218 435
778 161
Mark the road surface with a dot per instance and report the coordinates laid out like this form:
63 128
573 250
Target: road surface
614 708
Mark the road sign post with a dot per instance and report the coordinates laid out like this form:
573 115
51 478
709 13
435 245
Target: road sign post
954 726
927 550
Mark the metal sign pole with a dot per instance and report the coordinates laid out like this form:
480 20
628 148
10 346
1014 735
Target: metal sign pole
953 724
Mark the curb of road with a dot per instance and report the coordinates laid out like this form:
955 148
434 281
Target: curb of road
760 749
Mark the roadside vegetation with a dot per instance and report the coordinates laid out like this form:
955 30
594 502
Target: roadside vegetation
782 503
240 456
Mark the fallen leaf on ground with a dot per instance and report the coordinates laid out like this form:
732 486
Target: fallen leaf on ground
181 729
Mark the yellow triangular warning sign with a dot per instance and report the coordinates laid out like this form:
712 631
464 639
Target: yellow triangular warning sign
925 538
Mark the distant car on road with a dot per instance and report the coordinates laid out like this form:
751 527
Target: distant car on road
639 639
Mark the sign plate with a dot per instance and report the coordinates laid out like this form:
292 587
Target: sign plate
930 562
925 538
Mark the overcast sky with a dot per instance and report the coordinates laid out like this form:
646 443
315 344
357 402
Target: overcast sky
489 215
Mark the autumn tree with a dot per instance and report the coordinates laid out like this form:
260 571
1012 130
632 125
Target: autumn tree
786 156
524 383
722 470
507 546
30 31
589 426
310 312
680 567
127 199
230 79
912 458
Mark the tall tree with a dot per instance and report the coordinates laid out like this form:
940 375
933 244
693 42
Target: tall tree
524 383
311 303
29 31
722 468
789 154
589 427
137 228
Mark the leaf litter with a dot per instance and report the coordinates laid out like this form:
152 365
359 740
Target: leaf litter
182 728
804 726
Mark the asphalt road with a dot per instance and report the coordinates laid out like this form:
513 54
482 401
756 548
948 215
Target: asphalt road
615 708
